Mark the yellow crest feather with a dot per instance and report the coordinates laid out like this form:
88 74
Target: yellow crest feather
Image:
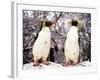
43 25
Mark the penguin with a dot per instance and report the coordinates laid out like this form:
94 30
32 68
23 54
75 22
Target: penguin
71 47
41 46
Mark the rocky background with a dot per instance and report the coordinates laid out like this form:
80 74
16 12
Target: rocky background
32 24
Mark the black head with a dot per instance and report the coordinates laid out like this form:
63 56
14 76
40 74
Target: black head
47 23
74 23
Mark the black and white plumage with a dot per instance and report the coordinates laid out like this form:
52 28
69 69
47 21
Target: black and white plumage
41 46
71 47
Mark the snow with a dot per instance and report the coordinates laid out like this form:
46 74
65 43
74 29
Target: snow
53 65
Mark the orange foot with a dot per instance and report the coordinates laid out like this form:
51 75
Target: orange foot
46 62
35 64
66 64
75 63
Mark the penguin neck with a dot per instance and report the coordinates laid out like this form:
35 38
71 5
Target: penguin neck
45 28
75 27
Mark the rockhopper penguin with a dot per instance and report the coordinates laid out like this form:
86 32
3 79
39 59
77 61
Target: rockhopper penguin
41 47
71 47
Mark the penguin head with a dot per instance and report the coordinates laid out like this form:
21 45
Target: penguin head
45 23
73 22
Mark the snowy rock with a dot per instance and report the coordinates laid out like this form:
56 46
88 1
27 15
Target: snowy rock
52 65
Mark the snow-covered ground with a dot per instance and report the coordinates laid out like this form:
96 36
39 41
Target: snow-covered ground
52 65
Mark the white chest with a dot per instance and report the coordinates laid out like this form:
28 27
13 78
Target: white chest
71 44
41 46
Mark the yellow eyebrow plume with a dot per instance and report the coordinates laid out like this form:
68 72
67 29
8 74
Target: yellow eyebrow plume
44 24
78 22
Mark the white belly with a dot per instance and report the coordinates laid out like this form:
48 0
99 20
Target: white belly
72 45
41 46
